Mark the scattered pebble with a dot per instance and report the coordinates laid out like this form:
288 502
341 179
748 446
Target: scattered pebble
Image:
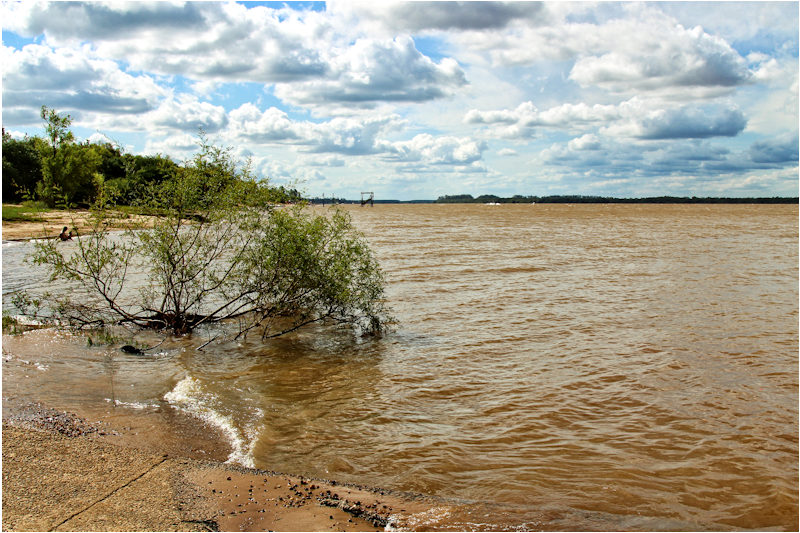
68 424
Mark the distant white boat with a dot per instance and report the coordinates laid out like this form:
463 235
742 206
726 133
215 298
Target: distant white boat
492 203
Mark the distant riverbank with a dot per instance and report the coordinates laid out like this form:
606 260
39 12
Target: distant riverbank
581 199
49 223
565 199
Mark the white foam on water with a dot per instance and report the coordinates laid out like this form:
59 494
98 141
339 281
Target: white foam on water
25 320
409 522
188 395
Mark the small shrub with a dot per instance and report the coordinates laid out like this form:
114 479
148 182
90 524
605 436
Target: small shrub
11 325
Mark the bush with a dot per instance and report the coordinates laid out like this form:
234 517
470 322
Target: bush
221 252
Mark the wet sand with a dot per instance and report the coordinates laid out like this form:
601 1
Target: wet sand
61 473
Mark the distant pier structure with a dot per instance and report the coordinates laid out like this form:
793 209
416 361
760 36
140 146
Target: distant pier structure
368 198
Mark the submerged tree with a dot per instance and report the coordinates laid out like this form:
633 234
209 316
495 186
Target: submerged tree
220 251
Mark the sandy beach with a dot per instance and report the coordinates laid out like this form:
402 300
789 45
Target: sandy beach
61 473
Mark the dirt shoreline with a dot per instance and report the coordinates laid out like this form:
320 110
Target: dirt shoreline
53 221
64 474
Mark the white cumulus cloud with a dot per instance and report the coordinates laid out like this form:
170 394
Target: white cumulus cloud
371 71
440 150
72 79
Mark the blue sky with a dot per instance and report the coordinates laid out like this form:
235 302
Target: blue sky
414 100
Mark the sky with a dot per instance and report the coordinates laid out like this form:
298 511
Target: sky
415 100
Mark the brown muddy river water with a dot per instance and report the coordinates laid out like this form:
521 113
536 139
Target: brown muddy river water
553 367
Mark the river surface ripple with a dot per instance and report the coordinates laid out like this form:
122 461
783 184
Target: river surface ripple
594 366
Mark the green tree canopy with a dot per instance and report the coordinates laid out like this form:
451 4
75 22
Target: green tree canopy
22 167
69 170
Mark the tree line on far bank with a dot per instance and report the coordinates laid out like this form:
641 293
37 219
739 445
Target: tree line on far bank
59 171
580 199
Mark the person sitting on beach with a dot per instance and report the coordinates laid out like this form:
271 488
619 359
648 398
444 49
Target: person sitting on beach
64 235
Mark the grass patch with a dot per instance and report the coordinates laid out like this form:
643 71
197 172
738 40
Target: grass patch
21 213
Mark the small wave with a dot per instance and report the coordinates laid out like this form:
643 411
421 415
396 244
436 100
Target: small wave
159 355
132 405
11 244
410 522
188 395
36 364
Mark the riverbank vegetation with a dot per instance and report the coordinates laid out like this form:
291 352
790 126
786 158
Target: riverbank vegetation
221 250
57 171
